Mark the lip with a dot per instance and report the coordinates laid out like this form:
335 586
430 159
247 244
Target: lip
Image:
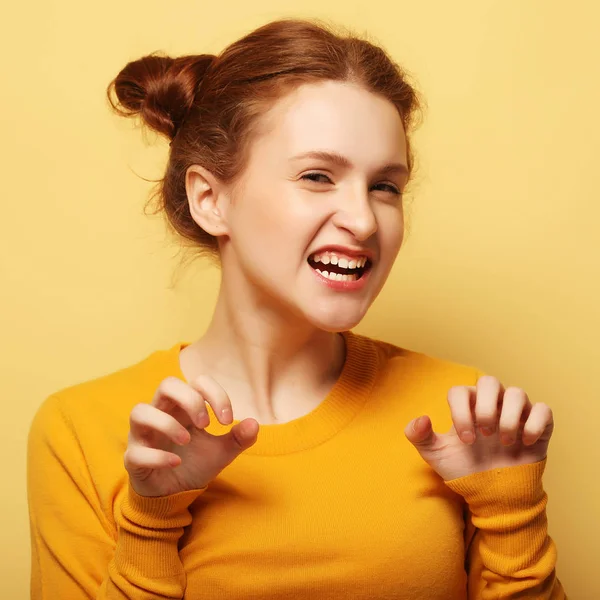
345 250
344 286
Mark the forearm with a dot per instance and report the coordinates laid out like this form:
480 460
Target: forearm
511 552
146 563
143 563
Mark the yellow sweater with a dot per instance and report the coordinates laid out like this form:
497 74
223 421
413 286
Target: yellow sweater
335 504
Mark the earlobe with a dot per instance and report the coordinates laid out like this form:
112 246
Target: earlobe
203 193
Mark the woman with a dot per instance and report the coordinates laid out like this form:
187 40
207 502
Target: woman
265 460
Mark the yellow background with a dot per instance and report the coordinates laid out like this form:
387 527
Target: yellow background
500 270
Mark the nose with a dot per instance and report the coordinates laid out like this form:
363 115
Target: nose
355 214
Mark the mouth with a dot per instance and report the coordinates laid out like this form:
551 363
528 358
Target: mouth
340 269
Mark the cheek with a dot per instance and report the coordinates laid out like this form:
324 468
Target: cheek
260 229
252 218
391 231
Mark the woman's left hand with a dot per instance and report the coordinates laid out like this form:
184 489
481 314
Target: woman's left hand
505 429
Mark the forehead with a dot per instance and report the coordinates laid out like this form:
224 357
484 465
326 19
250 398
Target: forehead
335 115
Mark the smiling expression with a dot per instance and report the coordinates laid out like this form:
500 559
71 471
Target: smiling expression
319 220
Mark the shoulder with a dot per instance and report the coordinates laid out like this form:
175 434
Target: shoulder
410 383
108 398
396 361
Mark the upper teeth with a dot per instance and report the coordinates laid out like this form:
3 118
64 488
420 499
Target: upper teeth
344 263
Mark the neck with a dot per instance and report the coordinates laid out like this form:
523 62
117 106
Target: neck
266 356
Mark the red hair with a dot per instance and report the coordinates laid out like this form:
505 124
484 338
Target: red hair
210 106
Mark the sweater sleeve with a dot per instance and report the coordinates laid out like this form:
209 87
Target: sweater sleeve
77 552
509 553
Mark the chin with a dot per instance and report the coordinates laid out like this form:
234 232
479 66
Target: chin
336 321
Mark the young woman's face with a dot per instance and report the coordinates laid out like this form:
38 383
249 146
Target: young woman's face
297 215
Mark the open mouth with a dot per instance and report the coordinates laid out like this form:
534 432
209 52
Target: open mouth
351 270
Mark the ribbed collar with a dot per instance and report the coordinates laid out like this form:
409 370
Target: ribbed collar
338 408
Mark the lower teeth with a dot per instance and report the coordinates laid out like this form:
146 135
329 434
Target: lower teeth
338 276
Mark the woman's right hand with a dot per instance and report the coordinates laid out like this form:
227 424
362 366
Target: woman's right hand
168 450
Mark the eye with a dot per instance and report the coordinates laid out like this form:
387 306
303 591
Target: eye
390 188
314 177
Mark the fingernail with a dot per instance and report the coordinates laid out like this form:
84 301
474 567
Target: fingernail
417 423
487 430
202 419
226 414
468 437
507 439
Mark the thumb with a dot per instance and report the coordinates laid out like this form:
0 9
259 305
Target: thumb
420 433
240 437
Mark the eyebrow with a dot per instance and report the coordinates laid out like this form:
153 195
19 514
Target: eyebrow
343 161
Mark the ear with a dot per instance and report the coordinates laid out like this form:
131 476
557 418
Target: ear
206 199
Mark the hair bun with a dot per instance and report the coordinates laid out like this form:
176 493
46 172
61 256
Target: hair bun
160 89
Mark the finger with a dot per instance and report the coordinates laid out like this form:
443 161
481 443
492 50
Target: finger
540 422
462 400
143 457
240 437
420 432
173 393
489 393
213 393
515 409
146 420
